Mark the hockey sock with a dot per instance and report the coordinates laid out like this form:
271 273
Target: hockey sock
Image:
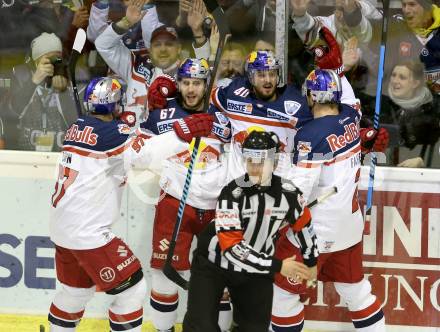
369 319
163 310
164 299
126 310
62 321
287 311
68 307
294 323
365 309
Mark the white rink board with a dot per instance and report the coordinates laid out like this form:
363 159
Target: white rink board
26 184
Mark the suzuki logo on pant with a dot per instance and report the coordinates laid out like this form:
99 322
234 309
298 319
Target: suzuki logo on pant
164 244
122 251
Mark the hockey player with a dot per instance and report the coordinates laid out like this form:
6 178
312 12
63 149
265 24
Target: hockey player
140 70
236 250
255 102
206 184
97 153
327 153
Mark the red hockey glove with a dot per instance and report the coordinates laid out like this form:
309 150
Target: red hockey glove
196 125
372 139
128 118
163 87
331 57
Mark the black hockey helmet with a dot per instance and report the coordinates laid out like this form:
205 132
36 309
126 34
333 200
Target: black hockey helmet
261 140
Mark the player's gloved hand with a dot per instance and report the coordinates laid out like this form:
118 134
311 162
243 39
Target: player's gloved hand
128 118
196 125
372 139
329 57
163 87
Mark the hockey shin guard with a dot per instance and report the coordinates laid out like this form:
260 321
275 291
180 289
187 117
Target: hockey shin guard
365 309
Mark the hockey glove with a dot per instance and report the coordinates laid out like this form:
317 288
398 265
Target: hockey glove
163 87
129 118
372 139
329 57
196 125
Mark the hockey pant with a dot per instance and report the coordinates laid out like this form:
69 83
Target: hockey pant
164 300
125 312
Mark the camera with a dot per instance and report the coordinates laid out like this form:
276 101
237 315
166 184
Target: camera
59 67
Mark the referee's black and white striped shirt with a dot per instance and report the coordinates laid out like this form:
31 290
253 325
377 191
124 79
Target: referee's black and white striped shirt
247 222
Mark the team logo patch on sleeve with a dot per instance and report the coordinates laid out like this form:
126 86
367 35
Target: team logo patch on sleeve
291 106
222 119
123 129
304 147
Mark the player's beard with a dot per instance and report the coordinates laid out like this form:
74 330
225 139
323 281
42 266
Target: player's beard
191 105
262 94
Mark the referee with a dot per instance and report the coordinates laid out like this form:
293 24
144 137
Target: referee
236 249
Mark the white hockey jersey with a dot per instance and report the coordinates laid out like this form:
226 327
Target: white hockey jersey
92 173
327 154
208 176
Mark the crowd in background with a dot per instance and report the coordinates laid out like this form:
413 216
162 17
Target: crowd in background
37 105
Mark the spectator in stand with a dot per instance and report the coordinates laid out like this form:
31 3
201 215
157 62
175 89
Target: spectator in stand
41 99
415 35
137 37
265 42
231 64
411 114
263 13
140 70
29 19
349 22
193 23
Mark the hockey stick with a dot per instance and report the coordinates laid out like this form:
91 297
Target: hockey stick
317 201
220 19
322 197
386 4
78 44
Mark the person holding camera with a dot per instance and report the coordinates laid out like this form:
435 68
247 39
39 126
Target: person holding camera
42 104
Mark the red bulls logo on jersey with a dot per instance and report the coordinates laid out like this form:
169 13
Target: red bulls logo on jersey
205 155
81 136
241 136
338 142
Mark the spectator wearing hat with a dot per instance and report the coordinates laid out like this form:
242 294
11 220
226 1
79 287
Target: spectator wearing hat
140 70
41 101
414 36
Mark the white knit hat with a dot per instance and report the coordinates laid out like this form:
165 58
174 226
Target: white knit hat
45 43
